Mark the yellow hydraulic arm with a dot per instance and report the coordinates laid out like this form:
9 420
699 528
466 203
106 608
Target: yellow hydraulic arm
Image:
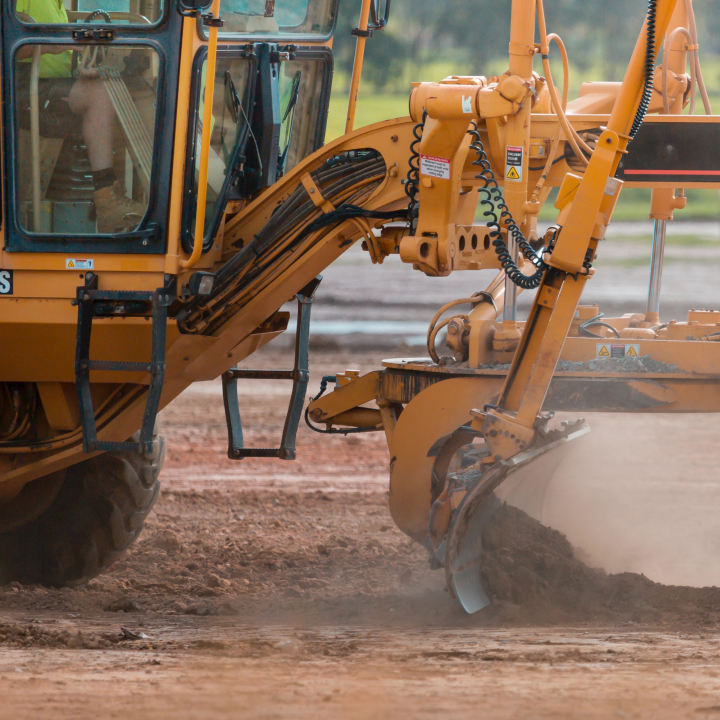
512 425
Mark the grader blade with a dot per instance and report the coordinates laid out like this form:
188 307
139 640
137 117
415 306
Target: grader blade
521 481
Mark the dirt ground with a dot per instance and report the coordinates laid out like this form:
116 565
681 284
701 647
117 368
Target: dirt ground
266 589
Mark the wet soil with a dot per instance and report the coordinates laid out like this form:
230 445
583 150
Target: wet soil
533 574
333 614
265 589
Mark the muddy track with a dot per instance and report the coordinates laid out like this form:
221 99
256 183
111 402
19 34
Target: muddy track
268 589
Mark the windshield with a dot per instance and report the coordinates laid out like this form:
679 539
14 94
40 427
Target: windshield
278 18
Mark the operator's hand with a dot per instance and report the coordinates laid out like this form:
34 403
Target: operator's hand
27 51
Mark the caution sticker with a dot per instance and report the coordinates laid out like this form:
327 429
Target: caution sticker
617 350
437 167
75 264
513 163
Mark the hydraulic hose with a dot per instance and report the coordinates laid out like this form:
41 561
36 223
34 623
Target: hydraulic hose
698 72
493 203
596 322
347 181
649 69
666 59
106 412
435 327
576 142
332 431
413 177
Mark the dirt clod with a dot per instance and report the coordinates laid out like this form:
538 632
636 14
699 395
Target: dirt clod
122 604
167 540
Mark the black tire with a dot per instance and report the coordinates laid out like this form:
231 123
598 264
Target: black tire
98 513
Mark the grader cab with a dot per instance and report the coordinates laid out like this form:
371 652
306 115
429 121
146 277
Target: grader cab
166 191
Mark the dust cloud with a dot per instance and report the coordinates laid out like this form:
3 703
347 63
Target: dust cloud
641 494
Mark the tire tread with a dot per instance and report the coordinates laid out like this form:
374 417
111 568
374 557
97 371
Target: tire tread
98 513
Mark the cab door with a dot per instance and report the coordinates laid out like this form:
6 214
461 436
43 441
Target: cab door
271 97
89 90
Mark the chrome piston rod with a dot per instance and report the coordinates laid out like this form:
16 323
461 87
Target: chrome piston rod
656 266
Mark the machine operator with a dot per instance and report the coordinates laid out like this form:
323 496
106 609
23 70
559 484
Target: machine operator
62 101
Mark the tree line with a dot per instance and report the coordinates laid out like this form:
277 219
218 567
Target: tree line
473 36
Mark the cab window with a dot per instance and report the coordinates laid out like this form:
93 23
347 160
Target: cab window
123 12
85 121
232 100
296 19
304 84
237 157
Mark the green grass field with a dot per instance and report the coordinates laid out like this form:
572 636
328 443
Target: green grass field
634 203
371 109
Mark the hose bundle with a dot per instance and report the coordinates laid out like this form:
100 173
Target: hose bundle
347 181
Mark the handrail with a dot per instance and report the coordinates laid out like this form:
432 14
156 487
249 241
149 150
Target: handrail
357 64
78 16
210 66
35 137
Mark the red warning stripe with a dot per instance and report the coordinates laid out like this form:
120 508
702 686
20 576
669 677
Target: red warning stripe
671 172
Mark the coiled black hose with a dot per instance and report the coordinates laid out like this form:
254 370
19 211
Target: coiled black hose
649 70
493 202
413 176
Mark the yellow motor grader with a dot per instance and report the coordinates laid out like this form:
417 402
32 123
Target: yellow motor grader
166 191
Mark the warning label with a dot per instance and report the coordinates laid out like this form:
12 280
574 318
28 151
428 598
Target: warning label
513 163
75 264
436 167
617 350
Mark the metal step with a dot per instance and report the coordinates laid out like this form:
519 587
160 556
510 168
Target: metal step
299 376
92 303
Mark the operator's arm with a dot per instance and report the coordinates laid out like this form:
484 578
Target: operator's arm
26 52
46 12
